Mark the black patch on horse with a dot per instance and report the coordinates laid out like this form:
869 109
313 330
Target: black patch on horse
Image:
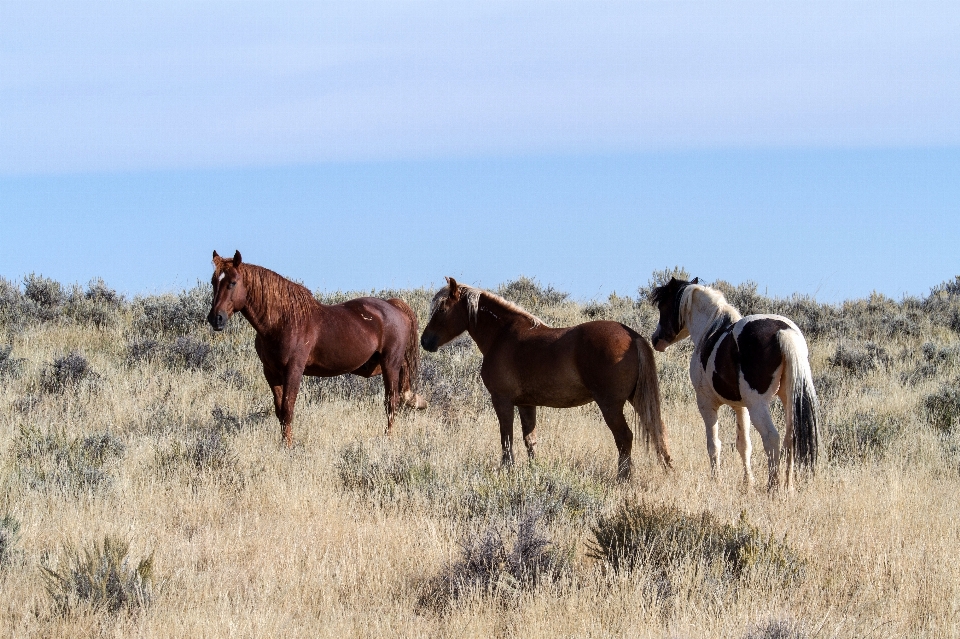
726 373
719 328
760 351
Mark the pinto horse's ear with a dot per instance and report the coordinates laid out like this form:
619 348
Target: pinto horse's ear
696 280
237 259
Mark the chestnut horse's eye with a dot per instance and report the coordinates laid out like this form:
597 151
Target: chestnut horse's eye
232 284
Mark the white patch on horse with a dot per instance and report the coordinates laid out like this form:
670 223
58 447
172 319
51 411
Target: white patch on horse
222 275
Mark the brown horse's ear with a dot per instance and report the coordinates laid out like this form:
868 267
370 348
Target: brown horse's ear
454 288
217 260
696 280
237 259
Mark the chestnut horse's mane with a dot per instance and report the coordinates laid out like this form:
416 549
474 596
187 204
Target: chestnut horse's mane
278 300
472 296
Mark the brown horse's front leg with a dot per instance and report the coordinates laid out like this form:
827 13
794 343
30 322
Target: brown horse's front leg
528 425
504 410
291 387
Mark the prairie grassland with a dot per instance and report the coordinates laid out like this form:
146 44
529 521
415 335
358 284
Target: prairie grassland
129 421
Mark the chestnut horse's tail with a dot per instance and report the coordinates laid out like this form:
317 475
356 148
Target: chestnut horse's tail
411 357
646 401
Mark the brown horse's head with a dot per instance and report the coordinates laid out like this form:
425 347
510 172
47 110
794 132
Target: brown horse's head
229 294
667 298
449 316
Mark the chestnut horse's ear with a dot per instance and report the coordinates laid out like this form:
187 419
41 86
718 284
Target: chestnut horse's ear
696 280
217 260
454 288
237 259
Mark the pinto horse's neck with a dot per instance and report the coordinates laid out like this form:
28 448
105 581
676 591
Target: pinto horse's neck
702 309
494 319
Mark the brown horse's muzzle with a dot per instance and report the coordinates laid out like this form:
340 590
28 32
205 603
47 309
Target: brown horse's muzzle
430 342
218 320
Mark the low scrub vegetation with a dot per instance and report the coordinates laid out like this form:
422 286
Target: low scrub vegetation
128 423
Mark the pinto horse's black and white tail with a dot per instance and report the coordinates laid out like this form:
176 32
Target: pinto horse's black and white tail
803 402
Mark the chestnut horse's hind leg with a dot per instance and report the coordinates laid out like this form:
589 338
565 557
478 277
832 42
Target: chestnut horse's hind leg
528 424
622 435
504 410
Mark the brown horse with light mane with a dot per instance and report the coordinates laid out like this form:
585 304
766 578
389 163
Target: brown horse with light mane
528 364
297 335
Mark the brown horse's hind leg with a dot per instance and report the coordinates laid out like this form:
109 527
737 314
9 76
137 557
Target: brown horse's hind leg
391 389
622 435
528 424
504 410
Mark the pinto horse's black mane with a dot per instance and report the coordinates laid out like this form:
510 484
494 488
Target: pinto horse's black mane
671 290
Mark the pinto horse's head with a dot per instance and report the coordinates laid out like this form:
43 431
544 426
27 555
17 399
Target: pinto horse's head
449 316
229 295
667 298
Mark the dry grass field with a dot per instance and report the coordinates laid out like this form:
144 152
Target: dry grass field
144 491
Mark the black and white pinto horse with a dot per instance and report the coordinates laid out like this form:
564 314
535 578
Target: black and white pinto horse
743 362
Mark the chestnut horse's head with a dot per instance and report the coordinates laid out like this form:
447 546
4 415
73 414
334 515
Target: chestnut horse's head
229 294
449 316
667 298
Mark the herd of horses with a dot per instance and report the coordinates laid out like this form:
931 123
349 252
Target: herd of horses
739 361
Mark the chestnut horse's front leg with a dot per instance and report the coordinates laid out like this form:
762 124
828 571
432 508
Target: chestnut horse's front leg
528 425
504 410
291 386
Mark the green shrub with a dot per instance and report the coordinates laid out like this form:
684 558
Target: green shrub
101 577
659 539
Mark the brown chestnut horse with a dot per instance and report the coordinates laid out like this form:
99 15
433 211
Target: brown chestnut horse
528 364
297 335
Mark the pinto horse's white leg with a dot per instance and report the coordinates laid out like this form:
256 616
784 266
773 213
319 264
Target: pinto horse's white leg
788 442
709 413
760 416
743 443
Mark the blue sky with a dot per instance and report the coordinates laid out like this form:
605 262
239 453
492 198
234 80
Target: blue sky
810 147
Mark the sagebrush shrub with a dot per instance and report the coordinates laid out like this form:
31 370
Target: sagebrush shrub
9 535
867 434
101 577
55 461
68 372
942 408
10 366
501 561
777 629
661 538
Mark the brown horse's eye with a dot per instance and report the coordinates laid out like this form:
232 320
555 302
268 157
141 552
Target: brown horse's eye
232 284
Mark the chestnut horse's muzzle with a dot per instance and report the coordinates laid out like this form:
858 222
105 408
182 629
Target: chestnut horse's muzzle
218 320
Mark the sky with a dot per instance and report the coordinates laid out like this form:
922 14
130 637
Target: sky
810 147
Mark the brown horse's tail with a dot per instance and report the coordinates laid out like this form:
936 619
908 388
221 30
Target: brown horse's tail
411 357
646 401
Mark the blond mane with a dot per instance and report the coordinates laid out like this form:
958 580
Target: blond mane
472 296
